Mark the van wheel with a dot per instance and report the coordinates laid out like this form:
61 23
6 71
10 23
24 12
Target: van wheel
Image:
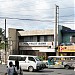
67 66
30 69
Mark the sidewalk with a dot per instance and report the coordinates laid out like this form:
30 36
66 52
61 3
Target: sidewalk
2 73
2 69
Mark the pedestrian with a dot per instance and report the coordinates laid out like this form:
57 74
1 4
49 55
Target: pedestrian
19 71
17 64
11 69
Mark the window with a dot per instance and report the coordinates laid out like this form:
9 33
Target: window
28 39
12 58
73 39
21 39
31 59
37 58
38 38
45 38
17 57
23 58
51 38
31 38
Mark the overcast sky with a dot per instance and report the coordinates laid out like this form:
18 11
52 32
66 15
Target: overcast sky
36 14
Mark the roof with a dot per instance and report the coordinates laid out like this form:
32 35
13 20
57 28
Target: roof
36 32
68 31
19 29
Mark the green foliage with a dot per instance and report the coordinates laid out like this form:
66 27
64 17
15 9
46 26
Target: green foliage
0 31
2 45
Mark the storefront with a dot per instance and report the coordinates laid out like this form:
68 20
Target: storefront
66 50
36 48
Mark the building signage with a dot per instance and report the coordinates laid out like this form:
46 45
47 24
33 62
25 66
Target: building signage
35 43
67 49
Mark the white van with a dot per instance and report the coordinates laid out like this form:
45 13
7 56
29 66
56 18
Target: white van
27 62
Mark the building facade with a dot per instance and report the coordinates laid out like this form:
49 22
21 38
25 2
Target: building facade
33 42
68 43
37 42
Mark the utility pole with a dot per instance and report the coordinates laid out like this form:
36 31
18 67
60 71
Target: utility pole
56 28
5 42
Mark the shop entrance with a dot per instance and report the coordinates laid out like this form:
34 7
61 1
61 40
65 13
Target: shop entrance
67 54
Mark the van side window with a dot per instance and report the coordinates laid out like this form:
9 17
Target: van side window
12 58
31 59
23 58
19 58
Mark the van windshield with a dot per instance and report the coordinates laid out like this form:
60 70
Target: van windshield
37 59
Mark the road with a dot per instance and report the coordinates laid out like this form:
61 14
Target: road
43 72
51 72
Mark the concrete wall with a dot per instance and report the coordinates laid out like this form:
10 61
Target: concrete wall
12 41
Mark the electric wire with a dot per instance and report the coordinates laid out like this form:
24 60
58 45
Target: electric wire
52 21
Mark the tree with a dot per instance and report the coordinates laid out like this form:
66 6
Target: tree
2 44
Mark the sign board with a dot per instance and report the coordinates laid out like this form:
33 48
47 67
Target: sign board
35 43
67 48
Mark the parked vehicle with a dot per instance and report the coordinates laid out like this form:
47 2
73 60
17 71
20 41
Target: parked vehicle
27 62
46 63
61 62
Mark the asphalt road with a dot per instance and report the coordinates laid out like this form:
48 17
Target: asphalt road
42 72
51 72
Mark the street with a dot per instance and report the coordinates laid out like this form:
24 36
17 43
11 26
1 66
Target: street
51 72
42 72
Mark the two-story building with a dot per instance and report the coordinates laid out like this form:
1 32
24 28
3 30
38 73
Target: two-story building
31 42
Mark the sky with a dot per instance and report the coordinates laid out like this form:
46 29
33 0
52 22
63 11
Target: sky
36 14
